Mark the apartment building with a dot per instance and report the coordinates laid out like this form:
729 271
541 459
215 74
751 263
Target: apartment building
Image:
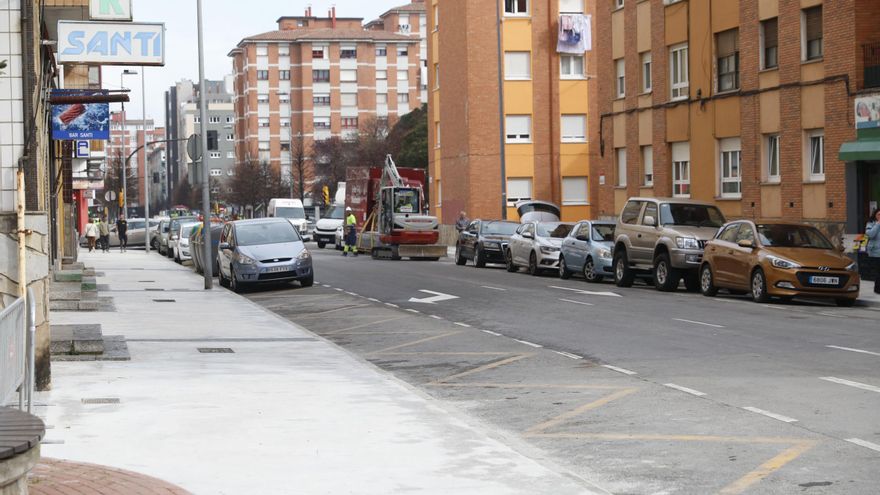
743 103
497 139
126 137
314 78
411 20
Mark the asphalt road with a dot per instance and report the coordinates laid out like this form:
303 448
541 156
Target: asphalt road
722 368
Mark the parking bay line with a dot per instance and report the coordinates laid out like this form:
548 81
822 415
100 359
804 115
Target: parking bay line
619 370
861 351
684 389
864 443
493 288
577 302
699 323
530 344
778 417
850 383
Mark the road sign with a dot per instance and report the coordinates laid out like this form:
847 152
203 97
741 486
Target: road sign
437 297
194 147
83 149
110 10
110 195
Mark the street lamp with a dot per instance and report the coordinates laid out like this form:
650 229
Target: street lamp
206 180
126 72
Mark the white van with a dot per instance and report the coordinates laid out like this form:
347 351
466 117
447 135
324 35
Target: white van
293 210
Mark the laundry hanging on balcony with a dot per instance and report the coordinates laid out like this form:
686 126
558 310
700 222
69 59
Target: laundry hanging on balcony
575 34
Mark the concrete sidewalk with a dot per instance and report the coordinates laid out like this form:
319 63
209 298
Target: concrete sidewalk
285 412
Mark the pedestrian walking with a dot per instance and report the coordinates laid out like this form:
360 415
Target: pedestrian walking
349 241
872 233
91 232
462 223
122 232
104 235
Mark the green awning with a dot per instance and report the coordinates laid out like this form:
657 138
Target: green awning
860 150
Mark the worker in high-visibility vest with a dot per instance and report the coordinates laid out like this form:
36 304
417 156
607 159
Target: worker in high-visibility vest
350 235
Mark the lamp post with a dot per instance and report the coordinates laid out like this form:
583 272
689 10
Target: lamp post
126 72
206 181
147 176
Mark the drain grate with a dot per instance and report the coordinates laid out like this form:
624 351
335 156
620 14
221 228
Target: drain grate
154 290
164 300
101 400
146 281
215 350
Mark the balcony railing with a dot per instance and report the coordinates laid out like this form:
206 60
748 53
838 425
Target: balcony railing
871 59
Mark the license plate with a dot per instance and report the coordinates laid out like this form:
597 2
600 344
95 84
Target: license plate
825 280
276 269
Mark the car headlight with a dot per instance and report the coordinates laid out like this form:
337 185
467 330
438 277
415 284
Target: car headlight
549 249
852 267
782 263
245 260
304 255
604 254
687 243
493 245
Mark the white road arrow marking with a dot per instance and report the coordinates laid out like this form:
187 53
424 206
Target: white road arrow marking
437 297
587 292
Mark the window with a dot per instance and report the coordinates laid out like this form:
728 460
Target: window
681 170
620 162
770 43
436 76
381 75
811 33
382 98
571 6
284 75
816 154
618 4
402 97
230 137
518 128
262 98
630 213
381 51
230 154
574 191
517 65
404 28
348 76
439 192
727 49
571 66
771 152
647 82
574 128
212 141
216 172
321 100
283 98
263 145
263 122
262 50
437 134
518 189
516 7
678 72
647 166
348 52
229 120
319 52
322 122
436 17
283 51
620 84
650 211
214 154
402 75
262 75
731 171
197 119
214 120
349 123
285 122
321 75
349 99
402 51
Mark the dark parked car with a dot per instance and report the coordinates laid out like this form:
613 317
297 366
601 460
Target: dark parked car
484 241
197 243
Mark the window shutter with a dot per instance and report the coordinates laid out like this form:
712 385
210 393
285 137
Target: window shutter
771 33
813 23
727 43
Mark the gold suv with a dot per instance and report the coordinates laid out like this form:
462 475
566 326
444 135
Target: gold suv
777 260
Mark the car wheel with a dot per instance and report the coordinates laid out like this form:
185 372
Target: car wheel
460 260
321 244
479 257
233 283
590 271
177 258
666 278
845 303
223 281
564 273
707 281
308 281
623 274
759 286
533 265
508 260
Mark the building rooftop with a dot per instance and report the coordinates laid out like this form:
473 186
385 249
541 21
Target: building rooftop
410 7
326 34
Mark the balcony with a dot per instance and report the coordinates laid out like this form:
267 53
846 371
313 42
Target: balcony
871 60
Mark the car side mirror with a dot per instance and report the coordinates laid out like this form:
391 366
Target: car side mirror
650 221
745 243
528 235
224 246
582 238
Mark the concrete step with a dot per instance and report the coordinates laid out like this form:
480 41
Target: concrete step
68 275
75 305
77 339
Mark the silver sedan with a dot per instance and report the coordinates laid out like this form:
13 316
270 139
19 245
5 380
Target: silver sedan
536 246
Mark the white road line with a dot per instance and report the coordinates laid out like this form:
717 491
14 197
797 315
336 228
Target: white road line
327 286
490 332
619 370
577 302
699 323
414 311
352 294
530 344
863 386
864 443
437 317
338 289
684 389
568 355
832 315
586 292
853 350
373 299
493 288
778 417
462 324
392 305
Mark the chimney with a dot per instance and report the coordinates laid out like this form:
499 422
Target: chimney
333 10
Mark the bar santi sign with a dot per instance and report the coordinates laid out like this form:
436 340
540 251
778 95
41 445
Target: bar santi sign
111 43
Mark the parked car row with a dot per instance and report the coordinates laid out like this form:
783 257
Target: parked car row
667 241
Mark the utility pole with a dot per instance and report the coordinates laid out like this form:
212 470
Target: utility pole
206 186
502 150
147 176
126 72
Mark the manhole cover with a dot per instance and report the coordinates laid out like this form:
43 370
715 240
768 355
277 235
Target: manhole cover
164 300
215 350
101 400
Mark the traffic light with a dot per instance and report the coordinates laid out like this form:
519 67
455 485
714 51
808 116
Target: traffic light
326 195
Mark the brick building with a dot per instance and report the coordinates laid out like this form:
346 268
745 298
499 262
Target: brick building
314 78
124 140
544 109
743 103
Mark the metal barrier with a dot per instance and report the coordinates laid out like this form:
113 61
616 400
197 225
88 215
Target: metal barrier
17 340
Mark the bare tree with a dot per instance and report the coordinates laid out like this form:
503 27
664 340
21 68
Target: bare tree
254 184
298 160
113 182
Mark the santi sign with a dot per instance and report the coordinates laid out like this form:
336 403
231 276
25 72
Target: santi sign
111 43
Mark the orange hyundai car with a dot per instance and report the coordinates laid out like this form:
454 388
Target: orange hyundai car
777 260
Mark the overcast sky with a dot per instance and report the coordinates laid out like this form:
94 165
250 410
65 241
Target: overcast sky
226 23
